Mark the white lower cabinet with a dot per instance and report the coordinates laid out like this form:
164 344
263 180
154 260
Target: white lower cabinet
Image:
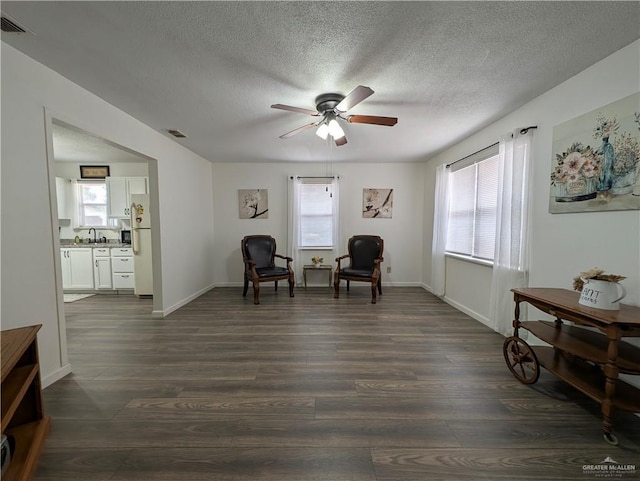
102 268
77 268
122 268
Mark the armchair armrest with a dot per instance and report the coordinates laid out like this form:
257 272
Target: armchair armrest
338 259
287 258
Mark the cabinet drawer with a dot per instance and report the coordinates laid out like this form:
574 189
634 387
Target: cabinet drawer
123 280
101 252
122 264
121 252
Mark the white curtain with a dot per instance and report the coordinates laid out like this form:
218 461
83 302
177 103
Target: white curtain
440 225
337 232
293 224
511 259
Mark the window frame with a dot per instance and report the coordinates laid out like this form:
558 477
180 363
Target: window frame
327 185
490 153
80 205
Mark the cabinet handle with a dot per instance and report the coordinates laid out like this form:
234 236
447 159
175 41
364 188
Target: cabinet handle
126 277
125 260
96 262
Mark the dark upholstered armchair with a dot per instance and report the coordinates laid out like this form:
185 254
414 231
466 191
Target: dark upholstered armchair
365 256
258 254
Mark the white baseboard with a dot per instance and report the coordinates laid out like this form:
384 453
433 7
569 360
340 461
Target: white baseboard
469 312
56 375
179 304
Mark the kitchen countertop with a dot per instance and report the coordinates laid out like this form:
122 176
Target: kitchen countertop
101 245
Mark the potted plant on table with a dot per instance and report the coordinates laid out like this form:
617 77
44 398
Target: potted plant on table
317 260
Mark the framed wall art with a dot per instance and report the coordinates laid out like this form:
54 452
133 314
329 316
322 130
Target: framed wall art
253 203
596 160
377 203
94 171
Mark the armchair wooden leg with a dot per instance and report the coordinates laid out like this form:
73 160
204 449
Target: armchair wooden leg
256 293
380 286
373 292
336 286
347 285
276 286
246 286
291 284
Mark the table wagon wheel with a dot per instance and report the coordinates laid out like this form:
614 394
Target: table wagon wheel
521 360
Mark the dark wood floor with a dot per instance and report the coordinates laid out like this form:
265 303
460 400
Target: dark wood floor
310 388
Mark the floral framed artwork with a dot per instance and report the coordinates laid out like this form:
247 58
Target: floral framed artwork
253 203
596 160
377 203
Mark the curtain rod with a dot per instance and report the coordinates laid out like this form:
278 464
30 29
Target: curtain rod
316 177
523 131
476 152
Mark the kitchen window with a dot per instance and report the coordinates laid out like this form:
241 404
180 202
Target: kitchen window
472 207
92 204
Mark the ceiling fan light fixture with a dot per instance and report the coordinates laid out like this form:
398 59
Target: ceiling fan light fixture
323 131
335 130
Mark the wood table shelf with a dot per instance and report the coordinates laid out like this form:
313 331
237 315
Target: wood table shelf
310 268
588 359
22 414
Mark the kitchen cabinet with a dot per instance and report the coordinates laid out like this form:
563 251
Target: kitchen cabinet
77 268
119 190
63 195
102 268
122 267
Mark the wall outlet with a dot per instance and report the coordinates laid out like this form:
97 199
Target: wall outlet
389 270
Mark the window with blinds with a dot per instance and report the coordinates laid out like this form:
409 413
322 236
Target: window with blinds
472 208
316 215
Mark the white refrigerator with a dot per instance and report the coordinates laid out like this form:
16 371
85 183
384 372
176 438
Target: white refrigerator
141 244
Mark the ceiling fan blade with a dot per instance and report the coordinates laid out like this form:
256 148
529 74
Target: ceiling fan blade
341 141
353 98
295 109
372 119
298 130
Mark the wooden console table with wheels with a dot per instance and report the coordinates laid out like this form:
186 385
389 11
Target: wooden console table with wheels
589 360
22 416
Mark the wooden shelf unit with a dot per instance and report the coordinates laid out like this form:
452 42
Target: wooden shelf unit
22 414
588 359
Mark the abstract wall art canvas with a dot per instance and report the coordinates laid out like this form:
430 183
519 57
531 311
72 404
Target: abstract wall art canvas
596 160
377 203
253 203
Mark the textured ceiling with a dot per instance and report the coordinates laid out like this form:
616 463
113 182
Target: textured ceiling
212 69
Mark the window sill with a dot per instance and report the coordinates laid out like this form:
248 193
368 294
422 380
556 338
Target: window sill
315 248
472 260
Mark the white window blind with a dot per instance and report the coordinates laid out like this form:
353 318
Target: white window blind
316 215
472 211
92 204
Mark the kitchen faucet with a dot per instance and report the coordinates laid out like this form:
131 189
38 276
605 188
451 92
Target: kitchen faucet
94 234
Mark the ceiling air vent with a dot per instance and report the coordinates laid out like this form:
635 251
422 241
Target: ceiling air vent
176 133
10 26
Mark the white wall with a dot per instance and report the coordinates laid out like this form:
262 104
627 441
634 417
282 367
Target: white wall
402 233
29 245
562 245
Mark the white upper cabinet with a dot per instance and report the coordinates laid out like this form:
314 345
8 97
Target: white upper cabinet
119 190
63 194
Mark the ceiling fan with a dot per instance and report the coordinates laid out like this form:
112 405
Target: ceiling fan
332 107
